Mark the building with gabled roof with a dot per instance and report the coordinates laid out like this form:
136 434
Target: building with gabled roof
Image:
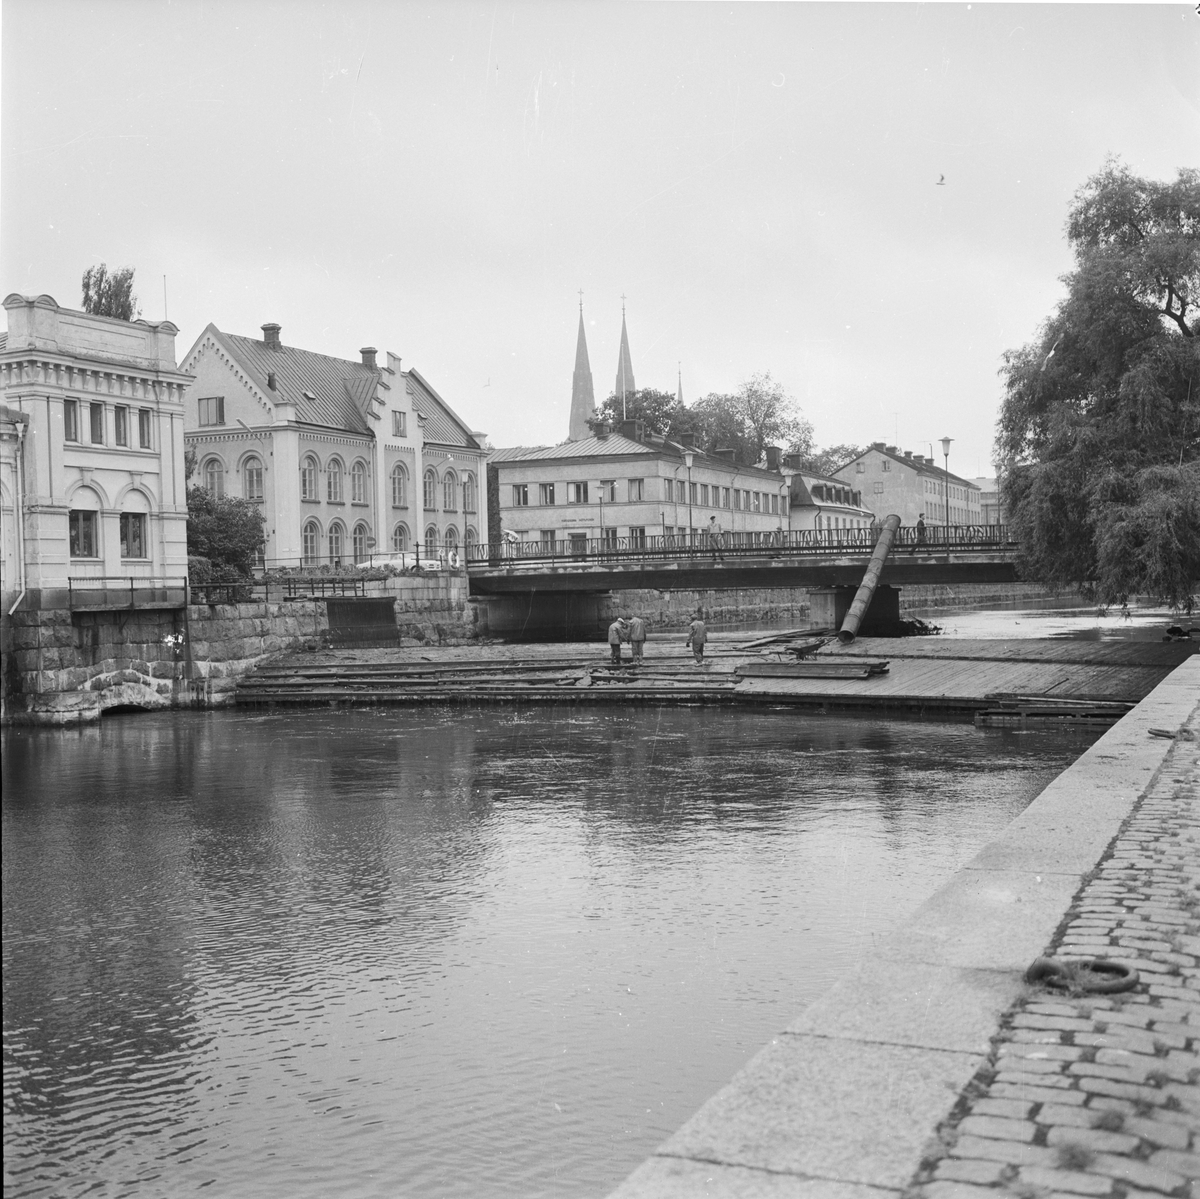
912 486
351 460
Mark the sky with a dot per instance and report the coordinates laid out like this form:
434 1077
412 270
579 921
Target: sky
759 180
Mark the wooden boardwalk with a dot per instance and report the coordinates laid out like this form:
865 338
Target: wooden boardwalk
928 676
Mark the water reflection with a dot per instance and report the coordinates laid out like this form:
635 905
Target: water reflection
451 952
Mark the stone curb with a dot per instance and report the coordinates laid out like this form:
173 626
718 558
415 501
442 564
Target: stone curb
843 1101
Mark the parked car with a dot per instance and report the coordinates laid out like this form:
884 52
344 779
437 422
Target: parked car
407 560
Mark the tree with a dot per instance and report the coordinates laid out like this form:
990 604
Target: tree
660 411
225 531
106 294
1099 431
758 414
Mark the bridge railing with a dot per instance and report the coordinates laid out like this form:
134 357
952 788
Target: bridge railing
791 543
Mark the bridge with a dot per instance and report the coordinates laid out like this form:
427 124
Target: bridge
812 559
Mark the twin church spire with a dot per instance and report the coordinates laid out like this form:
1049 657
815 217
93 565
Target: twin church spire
583 399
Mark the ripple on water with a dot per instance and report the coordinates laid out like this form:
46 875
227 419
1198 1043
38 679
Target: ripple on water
442 953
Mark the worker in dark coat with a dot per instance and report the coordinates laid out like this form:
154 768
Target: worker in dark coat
921 530
617 632
637 636
697 636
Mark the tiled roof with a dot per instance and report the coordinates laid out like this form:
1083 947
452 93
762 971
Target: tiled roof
512 452
922 467
442 426
326 391
593 447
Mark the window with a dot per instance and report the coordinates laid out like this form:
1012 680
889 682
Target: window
668 489
121 425
358 483
308 543
133 535
252 479
431 538
608 539
878 489
520 495
547 539
758 501
430 495
468 490
637 535
97 419
399 424
680 491
578 543
450 492
577 493
333 483
400 539
82 534
308 479
724 497
470 538
693 493
214 476
637 491
886 465
144 428
70 420
704 495
608 490
451 538
774 505
746 500
336 537
399 487
360 542
546 494
737 499
212 410
860 468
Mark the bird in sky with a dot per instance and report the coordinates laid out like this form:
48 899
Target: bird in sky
1054 347
941 181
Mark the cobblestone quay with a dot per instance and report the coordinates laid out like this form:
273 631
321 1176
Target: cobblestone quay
1099 1095
934 1072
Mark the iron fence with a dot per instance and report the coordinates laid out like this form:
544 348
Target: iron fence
98 592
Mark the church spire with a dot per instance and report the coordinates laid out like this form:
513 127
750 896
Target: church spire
625 384
583 399
679 391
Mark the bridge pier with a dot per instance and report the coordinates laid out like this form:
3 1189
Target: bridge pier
828 607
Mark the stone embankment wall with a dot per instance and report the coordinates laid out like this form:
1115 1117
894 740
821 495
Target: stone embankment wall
63 667
662 610
933 596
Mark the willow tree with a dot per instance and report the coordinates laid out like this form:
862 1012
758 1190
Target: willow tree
1099 430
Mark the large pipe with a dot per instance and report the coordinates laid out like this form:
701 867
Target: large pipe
866 589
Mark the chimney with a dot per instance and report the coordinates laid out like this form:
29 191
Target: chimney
271 337
774 456
792 461
877 445
687 440
891 449
726 451
908 453
603 429
368 356
635 430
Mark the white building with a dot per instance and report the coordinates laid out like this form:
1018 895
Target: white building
824 504
912 486
349 459
92 489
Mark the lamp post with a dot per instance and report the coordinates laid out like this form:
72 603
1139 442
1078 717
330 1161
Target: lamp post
946 484
785 500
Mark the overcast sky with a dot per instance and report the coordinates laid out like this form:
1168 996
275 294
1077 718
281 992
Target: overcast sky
760 180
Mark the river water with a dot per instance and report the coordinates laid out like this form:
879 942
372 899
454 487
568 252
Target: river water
443 952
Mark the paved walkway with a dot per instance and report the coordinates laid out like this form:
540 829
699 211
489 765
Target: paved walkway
1100 1095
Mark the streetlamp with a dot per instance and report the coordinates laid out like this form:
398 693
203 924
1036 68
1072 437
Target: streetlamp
785 499
946 484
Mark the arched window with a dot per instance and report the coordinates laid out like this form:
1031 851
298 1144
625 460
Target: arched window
308 479
400 538
337 536
252 479
83 525
361 533
309 543
468 493
450 492
452 538
470 540
431 539
333 481
214 476
358 483
431 490
399 486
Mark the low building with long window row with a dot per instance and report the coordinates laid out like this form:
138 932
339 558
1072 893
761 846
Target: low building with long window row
352 461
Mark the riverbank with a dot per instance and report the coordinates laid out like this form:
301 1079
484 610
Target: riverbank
934 1070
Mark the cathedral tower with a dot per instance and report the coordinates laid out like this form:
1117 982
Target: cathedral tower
625 384
583 399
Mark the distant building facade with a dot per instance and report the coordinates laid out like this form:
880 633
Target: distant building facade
634 485
350 460
991 510
91 450
911 486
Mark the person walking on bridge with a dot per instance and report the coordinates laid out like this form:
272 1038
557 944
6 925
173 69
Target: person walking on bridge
716 538
697 636
921 529
617 632
637 637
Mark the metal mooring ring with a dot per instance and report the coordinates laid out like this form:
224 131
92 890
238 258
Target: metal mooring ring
1090 975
